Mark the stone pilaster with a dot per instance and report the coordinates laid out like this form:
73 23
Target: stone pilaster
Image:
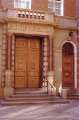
78 58
77 66
8 90
12 58
9 48
50 74
50 52
3 58
45 60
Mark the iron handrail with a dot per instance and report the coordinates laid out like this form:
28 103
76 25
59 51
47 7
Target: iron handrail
51 86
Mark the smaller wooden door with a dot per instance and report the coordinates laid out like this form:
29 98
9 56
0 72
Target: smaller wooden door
68 66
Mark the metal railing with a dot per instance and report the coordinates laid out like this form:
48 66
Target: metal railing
49 87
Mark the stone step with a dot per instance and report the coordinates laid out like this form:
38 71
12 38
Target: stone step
74 97
72 91
32 97
28 95
73 94
58 101
29 90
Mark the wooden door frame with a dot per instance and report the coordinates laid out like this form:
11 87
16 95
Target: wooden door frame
41 62
75 61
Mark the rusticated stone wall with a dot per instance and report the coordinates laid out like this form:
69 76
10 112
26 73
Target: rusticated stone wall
1 38
60 37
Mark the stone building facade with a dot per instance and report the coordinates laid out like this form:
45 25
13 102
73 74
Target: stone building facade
36 46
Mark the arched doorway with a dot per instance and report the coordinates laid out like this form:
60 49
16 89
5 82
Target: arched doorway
68 65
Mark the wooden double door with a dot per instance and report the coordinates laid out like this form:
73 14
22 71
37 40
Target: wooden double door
27 63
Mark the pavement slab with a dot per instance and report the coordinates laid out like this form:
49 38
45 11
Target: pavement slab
69 111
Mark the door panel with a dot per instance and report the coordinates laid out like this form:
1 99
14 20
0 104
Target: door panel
34 60
68 71
21 63
27 63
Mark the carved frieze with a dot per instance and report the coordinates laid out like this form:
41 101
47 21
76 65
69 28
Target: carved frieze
30 28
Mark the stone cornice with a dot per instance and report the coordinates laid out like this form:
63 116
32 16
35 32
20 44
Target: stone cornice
65 23
25 21
65 28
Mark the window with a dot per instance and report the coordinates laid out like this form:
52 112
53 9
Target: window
50 5
56 6
26 4
59 7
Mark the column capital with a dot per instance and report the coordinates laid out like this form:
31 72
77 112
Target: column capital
45 38
9 34
50 37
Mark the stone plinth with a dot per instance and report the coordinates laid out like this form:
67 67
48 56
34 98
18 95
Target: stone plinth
8 90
